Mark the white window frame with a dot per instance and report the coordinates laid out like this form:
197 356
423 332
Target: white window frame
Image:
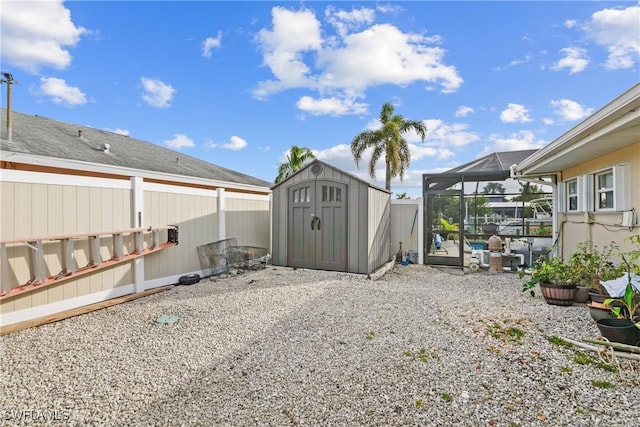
621 192
588 194
572 195
604 190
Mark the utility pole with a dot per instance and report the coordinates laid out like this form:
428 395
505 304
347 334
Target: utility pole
8 79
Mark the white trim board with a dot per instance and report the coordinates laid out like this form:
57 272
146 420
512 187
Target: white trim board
29 177
60 306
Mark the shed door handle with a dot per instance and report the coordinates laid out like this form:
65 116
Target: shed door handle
318 218
313 221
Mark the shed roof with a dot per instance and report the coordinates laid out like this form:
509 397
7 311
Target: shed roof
324 164
40 136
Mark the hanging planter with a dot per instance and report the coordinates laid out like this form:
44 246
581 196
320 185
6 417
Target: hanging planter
558 294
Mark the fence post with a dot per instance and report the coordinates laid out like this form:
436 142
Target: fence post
222 224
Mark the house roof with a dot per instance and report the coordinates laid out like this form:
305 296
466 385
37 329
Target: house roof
613 127
42 137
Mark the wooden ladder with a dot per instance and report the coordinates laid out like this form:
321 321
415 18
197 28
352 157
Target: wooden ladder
70 269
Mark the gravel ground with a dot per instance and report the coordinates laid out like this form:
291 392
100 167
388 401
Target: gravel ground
283 347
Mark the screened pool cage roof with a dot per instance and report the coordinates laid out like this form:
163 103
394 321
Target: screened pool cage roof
494 167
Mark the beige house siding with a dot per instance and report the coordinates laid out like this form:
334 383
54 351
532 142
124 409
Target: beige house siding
248 220
602 228
196 218
37 208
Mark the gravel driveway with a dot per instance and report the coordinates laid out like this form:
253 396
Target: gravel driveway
285 347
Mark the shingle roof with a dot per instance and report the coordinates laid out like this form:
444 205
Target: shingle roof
35 135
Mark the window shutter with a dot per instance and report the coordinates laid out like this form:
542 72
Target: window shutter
589 192
563 192
621 186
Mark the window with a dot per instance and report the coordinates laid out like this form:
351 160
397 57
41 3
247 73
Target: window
604 190
302 195
572 195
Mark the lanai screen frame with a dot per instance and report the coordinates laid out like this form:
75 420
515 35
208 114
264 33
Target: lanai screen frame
432 183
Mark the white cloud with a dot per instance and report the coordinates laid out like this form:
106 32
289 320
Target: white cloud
235 144
523 140
515 113
119 131
344 21
157 93
570 23
37 35
60 92
446 135
382 54
343 67
179 141
211 43
464 111
570 110
528 57
575 60
330 106
617 30
293 33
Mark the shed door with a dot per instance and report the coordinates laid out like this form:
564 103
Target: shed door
317 232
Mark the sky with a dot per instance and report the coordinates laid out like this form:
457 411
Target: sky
238 83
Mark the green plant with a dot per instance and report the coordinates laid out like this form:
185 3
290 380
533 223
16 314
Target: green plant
549 270
559 341
628 306
591 265
602 384
446 397
449 226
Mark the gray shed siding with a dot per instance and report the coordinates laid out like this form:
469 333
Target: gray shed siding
379 228
368 216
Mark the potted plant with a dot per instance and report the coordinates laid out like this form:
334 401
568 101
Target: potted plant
556 279
592 265
625 327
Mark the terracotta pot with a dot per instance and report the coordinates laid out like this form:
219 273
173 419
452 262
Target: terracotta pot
558 294
598 297
622 331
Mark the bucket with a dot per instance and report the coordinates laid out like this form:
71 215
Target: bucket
412 256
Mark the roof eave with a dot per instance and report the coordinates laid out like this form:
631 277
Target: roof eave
622 110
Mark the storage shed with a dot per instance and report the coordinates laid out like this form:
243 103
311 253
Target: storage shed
328 219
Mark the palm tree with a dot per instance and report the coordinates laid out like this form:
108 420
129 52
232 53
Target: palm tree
296 159
494 188
387 141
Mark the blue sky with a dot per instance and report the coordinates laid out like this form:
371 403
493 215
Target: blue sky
238 83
